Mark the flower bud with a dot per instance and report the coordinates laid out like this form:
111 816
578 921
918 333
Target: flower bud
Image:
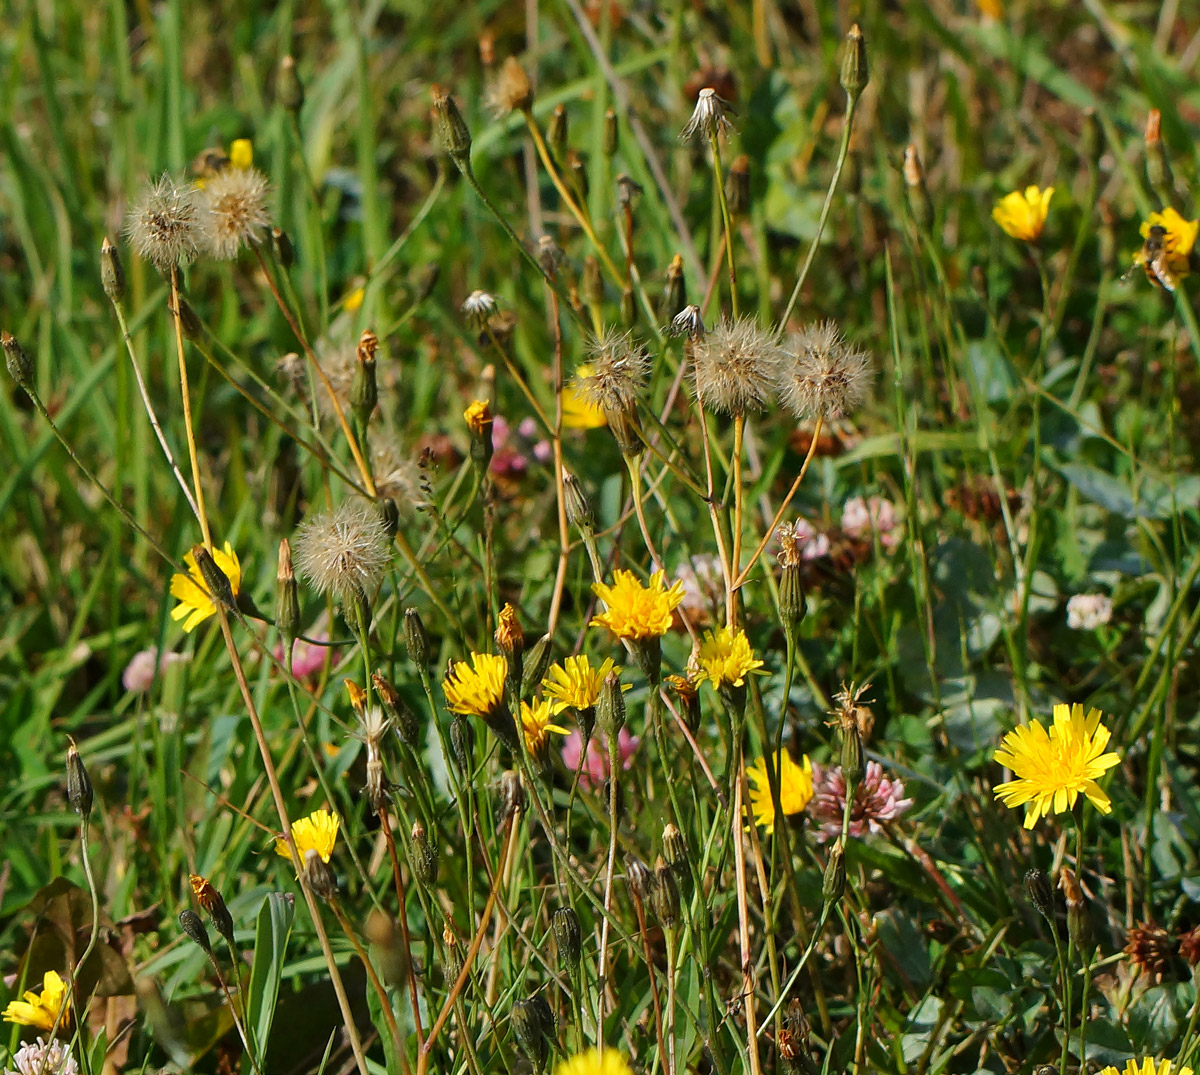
189 322
689 700
556 133
550 255
364 391
1079 918
737 187
592 285
79 786
319 875
611 133
792 604
533 1027
510 641
568 937
674 298
478 417
854 64
577 175
451 128
852 756
579 509
664 895
639 877
537 662
1158 168
285 251
425 854
20 366
416 641
918 194
610 708
356 610
215 580
453 955
408 726
833 885
288 89
462 742
112 274
287 598
1041 895
675 853
190 922
512 796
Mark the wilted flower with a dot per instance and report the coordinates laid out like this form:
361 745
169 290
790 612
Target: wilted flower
595 763
877 798
708 117
860 517
825 376
1022 213
688 322
344 551
39 1058
795 788
1151 950
737 365
1087 611
139 672
195 605
164 225
41 1009
234 211
512 90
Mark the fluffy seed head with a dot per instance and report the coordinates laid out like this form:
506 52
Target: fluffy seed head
235 212
512 90
164 226
343 551
708 118
737 364
825 377
616 372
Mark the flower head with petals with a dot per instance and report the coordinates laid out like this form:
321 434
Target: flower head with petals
636 611
1178 239
1147 1066
317 832
1054 768
476 690
594 1062
575 684
795 788
195 606
725 658
1022 213
41 1009
537 724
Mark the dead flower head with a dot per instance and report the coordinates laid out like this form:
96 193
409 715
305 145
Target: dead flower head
612 379
343 551
709 119
235 212
825 376
1151 950
164 225
737 364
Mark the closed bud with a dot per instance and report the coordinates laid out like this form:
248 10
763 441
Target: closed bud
674 298
112 274
675 852
1041 895
852 756
389 515
689 700
453 955
408 726
364 392
213 903
610 707
284 250
918 194
189 322
510 641
592 286
79 786
416 641
20 366
451 128
425 854
1079 917
577 175
611 133
319 875
478 417
833 885
792 604
216 582
737 186
550 255
556 133
288 88
190 923
462 744
537 663
1158 168
568 937
287 597
664 895
533 1027
579 509
639 877
512 795
854 64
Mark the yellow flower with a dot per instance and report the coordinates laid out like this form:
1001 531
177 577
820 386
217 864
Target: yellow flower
190 592
725 657
593 1062
578 413
354 299
575 684
479 690
535 721
1022 214
1052 769
636 611
795 788
1178 242
1146 1066
241 153
478 417
41 1010
317 832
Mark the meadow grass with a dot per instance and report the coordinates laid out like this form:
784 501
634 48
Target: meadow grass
839 482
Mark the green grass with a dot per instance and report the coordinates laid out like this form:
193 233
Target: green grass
1032 420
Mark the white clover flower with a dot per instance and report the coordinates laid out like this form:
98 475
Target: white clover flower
1087 611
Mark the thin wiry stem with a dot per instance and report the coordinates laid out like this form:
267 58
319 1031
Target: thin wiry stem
185 392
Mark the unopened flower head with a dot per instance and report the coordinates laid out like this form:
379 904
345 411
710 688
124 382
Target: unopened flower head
537 722
1087 611
1054 768
195 604
1022 213
317 833
824 377
164 225
575 683
41 1009
795 788
737 365
877 798
478 307
476 689
709 117
43 1058
636 611
344 551
235 212
725 658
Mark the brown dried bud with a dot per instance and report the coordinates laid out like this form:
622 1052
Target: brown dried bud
512 796
1150 949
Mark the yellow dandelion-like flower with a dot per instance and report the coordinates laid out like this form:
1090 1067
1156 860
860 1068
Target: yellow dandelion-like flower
41 1009
594 1062
241 153
575 684
578 411
353 300
1178 241
725 658
476 690
190 592
1054 767
795 788
317 832
536 724
478 417
636 611
1022 213
1146 1066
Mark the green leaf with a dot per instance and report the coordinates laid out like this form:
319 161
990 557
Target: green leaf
270 946
1154 498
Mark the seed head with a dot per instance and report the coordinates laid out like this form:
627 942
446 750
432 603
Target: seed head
165 225
688 322
478 307
512 90
708 118
344 551
612 379
234 211
826 377
737 365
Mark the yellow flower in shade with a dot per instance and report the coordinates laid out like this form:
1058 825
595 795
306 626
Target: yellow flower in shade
41 1010
636 611
241 153
1178 241
476 690
535 722
478 417
1022 214
575 684
1146 1066
1054 767
578 413
725 658
190 592
594 1062
354 299
795 788
317 832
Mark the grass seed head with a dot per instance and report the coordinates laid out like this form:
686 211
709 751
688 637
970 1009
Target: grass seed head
165 225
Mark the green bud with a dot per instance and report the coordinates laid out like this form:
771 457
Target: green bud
537 662
664 895
579 510
287 599
568 937
215 580
451 128
533 1027
79 785
20 366
425 854
833 885
112 274
1040 892
611 133
556 133
854 64
190 922
416 641
288 88
610 708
